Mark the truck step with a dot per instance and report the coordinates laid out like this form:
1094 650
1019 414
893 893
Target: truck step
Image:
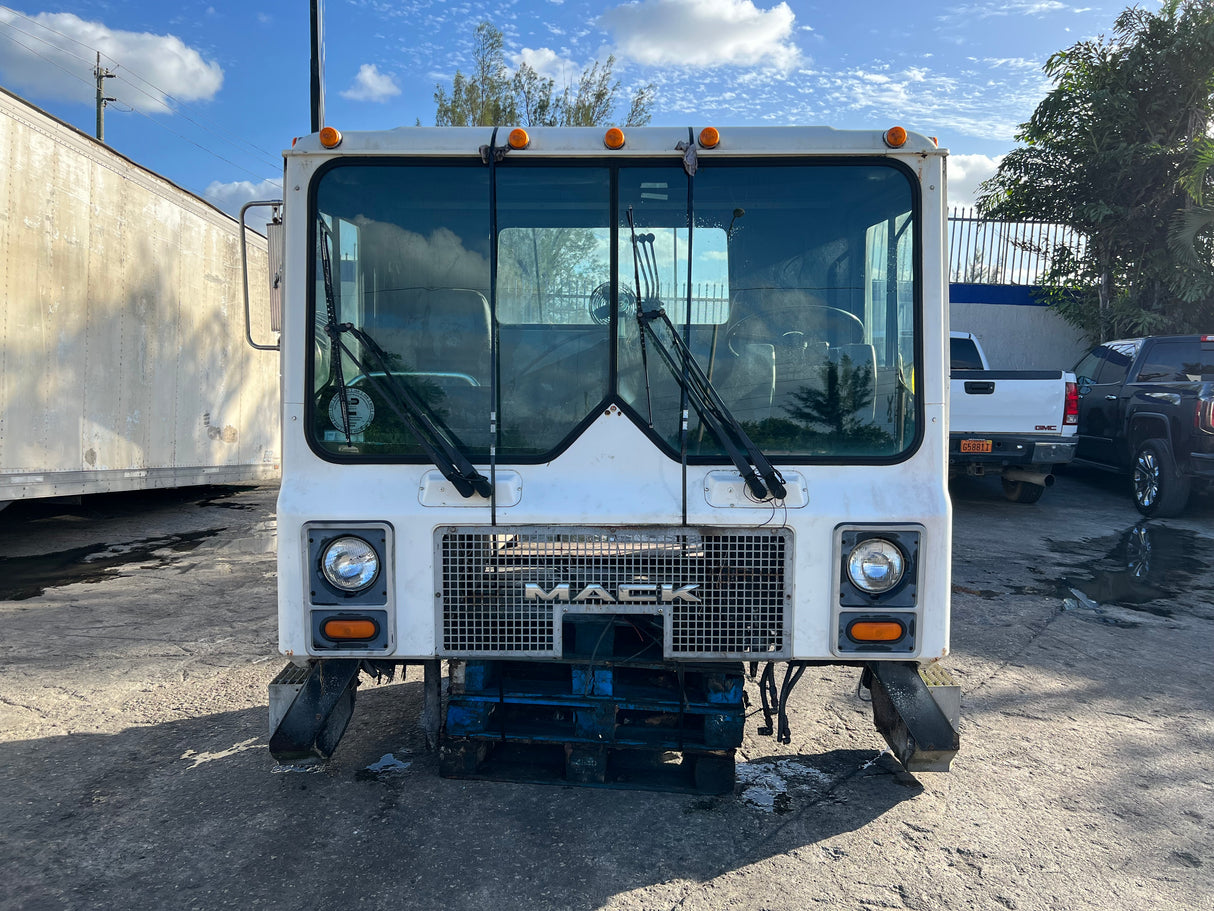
588 765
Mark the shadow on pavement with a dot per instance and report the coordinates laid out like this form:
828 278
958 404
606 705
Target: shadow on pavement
194 813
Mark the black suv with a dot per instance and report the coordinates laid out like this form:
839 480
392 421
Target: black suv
1146 408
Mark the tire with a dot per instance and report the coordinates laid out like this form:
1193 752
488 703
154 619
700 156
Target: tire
1022 491
1157 487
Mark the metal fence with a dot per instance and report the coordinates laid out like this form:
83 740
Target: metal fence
572 304
982 251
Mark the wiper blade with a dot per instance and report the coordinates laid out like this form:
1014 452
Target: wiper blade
754 467
437 440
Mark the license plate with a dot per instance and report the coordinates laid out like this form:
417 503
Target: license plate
975 445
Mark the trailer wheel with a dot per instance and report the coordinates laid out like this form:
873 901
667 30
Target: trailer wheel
1158 488
1022 491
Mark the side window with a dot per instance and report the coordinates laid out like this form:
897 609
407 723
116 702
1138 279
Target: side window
1165 362
963 354
1204 368
1117 360
1089 368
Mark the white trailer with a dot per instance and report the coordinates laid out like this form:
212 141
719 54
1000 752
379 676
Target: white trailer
122 356
599 417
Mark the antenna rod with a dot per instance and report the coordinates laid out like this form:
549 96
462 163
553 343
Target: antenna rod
318 65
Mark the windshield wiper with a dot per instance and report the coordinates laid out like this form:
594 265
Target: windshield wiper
754 467
436 439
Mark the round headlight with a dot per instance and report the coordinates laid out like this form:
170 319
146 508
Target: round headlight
350 564
875 565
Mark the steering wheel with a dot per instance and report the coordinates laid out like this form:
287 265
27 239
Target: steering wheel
599 302
792 326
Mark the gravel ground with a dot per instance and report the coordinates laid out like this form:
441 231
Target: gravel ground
139 639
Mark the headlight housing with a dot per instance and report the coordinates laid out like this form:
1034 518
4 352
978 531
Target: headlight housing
876 565
350 564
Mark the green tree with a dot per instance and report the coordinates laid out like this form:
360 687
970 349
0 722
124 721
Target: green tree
1116 152
493 95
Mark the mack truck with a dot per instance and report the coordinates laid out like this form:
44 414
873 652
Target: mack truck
606 420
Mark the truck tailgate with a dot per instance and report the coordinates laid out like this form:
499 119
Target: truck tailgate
1007 401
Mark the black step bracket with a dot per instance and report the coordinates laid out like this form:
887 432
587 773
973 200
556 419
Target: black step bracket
311 726
914 722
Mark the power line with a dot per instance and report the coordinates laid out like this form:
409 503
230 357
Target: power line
47 59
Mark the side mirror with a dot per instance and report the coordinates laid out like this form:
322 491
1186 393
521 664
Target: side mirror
276 279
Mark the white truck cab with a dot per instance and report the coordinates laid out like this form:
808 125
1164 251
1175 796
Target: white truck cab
565 406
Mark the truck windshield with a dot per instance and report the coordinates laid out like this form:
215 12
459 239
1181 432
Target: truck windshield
793 285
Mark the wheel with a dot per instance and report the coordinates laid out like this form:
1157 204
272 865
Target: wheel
1022 491
1138 551
794 325
1158 488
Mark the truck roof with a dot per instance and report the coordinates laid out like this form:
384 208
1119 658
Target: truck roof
586 141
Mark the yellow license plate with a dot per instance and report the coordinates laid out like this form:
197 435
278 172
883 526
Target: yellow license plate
975 445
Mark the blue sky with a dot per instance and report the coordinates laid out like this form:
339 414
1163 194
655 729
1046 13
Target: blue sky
208 94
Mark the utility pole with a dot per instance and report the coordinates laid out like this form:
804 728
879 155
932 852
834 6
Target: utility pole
101 75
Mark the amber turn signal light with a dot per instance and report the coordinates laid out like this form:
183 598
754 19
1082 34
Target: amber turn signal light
519 138
710 137
876 631
330 137
350 629
895 137
614 138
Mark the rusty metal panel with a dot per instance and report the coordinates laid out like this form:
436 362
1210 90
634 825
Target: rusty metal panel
122 356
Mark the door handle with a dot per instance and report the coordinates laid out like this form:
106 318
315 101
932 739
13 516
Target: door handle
1110 398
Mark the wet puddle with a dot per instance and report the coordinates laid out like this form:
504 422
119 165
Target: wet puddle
29 577
1139 568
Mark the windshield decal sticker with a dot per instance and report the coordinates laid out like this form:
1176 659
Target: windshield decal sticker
359 407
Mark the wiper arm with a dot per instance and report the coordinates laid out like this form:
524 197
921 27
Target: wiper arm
713 411
754 467
437 441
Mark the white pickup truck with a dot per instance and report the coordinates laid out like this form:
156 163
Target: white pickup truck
1017 423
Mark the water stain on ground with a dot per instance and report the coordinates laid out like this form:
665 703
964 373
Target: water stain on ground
1139 567
22 578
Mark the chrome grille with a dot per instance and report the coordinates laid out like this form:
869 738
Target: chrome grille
737 586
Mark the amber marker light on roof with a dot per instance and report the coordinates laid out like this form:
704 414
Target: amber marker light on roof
519 138
614 138
710 137
895 137
330 137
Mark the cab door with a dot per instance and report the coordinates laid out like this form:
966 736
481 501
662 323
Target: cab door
1101 376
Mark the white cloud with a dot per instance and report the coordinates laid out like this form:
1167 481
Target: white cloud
704 33
231 196
548 63
371 85
53 55
1011 8
965 172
